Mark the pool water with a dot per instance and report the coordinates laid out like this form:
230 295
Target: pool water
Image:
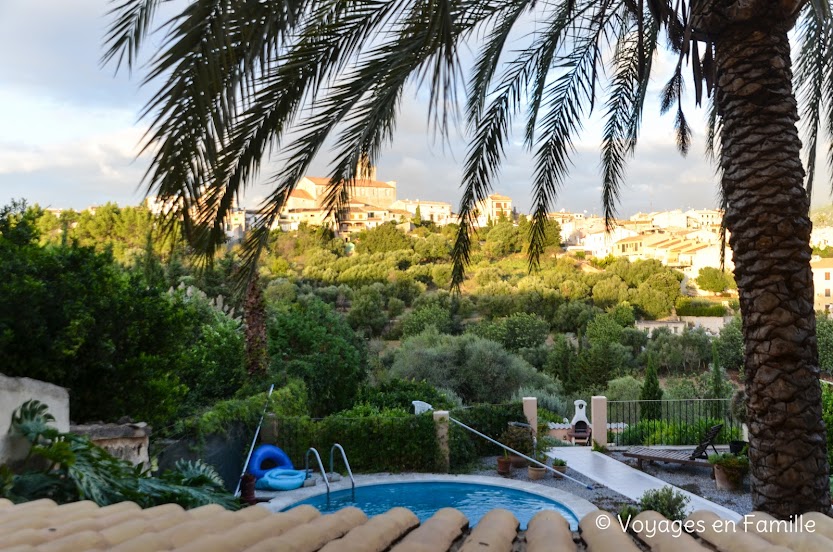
425 498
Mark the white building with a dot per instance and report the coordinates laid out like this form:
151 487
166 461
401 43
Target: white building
704 218
493 208
600 244
822 284
821 237
438 212
670 219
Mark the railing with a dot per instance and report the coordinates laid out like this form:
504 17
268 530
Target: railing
346 464
320 467
524 456
670 422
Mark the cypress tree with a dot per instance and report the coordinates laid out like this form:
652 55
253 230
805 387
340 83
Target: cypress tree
651 391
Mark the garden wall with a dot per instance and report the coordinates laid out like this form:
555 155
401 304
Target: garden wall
16 391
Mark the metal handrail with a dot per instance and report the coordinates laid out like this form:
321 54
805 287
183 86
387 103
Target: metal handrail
346 464
513 451
320 467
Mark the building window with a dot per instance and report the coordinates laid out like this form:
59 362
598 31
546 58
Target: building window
826 275
827 292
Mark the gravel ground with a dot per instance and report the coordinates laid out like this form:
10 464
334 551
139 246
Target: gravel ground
696 480
600 495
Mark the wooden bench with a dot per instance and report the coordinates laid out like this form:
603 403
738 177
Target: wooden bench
670 456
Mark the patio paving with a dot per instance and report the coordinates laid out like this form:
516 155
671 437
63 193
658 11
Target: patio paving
626 480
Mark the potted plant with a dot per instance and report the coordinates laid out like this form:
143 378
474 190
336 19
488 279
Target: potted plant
518 438
729 470
504 464
536 472
560 466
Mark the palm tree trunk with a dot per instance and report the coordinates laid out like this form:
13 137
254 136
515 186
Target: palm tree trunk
768 217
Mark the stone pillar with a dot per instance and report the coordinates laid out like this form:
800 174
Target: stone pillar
441 427
598 412
531 413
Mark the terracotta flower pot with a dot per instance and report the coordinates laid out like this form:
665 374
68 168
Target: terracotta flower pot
504 465
536 472
559 469
518 461
728 479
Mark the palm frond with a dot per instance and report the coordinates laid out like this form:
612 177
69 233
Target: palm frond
488 59
132 20
624 107
812 70
567 100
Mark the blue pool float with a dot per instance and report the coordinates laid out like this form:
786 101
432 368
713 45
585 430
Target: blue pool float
280 479
268 452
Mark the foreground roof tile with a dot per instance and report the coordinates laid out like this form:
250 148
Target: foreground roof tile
44 526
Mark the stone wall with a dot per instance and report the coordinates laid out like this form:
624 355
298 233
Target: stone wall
16 391
126 441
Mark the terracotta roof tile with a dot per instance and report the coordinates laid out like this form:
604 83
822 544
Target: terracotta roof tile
321 181
496 531
548 531
44 526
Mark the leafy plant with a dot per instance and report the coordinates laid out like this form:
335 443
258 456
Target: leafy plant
600 448
76 469
628 511
558 462
739 462
666 501
518 438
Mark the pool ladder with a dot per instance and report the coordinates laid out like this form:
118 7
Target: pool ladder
324 473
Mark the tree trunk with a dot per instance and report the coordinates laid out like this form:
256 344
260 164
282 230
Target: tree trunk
768 217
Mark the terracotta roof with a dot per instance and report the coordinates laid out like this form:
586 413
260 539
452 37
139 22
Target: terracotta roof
321 181
631 239
301 194
499 197
42 525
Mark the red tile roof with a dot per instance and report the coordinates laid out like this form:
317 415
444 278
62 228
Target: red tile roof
321 181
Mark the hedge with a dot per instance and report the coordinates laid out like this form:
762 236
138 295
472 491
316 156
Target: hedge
373 443
660 432
394 442
464 446
689 307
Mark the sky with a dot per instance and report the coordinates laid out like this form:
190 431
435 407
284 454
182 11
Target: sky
70 132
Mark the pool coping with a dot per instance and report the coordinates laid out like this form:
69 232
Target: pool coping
579 506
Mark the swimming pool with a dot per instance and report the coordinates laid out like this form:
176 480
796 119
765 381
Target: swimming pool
425 498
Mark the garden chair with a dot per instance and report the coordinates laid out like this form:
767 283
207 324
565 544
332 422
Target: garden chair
697 458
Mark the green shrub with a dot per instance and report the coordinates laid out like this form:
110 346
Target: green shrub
478 370
492 420
310 341
517 438
374 440
550 399
628 511
666 501
400 393
730 461
662 432
289 400
420 319
692 307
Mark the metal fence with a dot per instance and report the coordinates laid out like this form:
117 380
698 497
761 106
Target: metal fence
670 422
